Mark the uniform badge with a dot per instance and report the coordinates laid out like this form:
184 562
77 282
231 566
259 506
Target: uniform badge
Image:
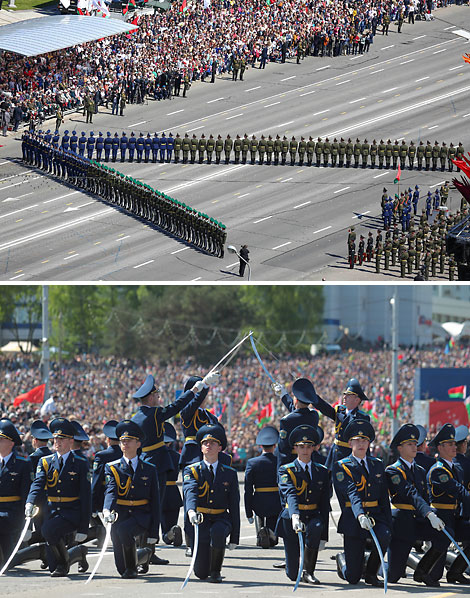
38 469
444 478
284 478
13 473
283 434
340 476
95 465
378 475
108 478
72 473
226 483
144 478
395 479
186 478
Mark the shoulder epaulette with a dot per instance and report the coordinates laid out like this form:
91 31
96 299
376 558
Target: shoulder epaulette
228 467
116 462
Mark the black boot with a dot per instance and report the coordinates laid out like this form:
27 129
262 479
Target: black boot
130 562
34 552
61 556
371 570
143 560
174 536
77 554
189 551
273 539
310 560
217 558
263 538
340 564
456 572
425 566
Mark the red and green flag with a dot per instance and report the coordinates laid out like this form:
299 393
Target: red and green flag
246 401
467 407
253 409
370 408
397 179
265 415
184 6
458 392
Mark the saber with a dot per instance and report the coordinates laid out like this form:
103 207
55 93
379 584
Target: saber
379 550
260 360
20 541
301 560
462 553
193 559
230 352
102 553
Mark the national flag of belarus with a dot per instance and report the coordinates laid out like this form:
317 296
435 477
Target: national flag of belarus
246 401
253 409
265 415
132 2
183 7
35 395
398 174
125 10
467 406
458 392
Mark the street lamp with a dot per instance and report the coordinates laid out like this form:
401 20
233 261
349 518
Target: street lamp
232 249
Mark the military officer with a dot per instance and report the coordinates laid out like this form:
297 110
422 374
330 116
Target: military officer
341 152
163 146
318 150
302 150
193 148
395 154
201 146
293 145
326 152
361 487
178 145
40 437
148 145
451 155
186 146
373 153
171 531
15 479
388 153
284 149
360 251
349 152
365 151
403 153
357 153
237 148
310 151
305 493
107 145
269 149
435 153
123 145
90 145
262 147
461 435
115 146
131 145
82 141
74 142
420 153
170 144
261 490
253 148
131 502
245 148
443 156
381 152
411 155
228 144
64 477
99 144
212 501
413 517
219 146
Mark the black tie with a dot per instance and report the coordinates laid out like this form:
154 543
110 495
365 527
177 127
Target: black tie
61 463
211 470
2 463
131 468
307 474
363 463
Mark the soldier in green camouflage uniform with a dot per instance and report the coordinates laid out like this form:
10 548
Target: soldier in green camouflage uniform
253 148
228 144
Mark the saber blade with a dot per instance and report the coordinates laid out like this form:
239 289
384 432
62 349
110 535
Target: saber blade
230 352
193 560
457 546
301 560
379 550
18 544
102 553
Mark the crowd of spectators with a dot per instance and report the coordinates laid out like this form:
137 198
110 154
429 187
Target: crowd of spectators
192 43
94 389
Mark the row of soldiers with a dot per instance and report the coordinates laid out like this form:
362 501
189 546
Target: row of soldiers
128 193
287 489
267 149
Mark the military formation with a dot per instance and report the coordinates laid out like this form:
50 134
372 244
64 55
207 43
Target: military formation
125 192
131 494
268 149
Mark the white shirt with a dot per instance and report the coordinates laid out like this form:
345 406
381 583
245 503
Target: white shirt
134 462
6 459
64 457
214 466
360 461
449 463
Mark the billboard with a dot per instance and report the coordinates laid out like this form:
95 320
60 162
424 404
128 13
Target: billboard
434 383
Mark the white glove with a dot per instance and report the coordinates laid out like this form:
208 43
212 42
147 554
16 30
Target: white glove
151 540
251 520
232 546
27 535
198 386
194 518
365 522
109 516
297 525
279 389
80 537
211 379
29 509
435 521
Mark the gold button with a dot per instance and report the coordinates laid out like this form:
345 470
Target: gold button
132 486
58 491
212 491
211 501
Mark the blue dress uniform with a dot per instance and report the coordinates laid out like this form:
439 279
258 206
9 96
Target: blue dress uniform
451 500
304 392
112 453
131 146
140 144
147 147
172 502
123 145
261 490
133 495
68 495
163 145
90 145
170 144
48 136
15 479
218 500
155 147
423 460
361 493
461 434
114 147
410 498
306 494
40 431
74 142
65 141
108 144
55 140
82 144
99 146
342 418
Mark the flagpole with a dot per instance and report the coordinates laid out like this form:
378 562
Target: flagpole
45 341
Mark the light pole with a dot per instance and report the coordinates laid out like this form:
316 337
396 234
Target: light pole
232 249
45 340
394 304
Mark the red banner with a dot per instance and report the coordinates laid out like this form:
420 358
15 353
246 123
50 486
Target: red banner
444 412
35 395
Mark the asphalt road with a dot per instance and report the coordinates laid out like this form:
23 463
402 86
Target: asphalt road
412 85
247 571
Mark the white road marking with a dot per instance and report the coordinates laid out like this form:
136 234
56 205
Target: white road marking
61 197
122 238
15 277
74 209
175 112
322 68
216 100
262 219
234 116
377 176
195 129
439 51
283 245
18 211
6 162
377 71
195 280
419 37
307 93
285 124
462 33
354 57
321 112
437 184
144 264
343 82
457 67
287 78
343 189
451 27
253 88
358 100
391 89
465 115
179 250
433 127
10 177
422 79
135 124
71 256
204 178
407 61
285 180
387 47
244 195
360 215
273 104
301 205
321 230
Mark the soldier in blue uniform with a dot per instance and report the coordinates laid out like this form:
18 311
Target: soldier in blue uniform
422 459
99 146
82 144
299 414
79 437
74 142
305 494
413 517
123 145
55 140
41 435
115 146
170 143
361 487
63 476
15 479
148 147
212 501
163 144
261 491
131 146
131 502
451 500
90 145
107 144
171 531
139 146
48 136
155 147
65 141
461 435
